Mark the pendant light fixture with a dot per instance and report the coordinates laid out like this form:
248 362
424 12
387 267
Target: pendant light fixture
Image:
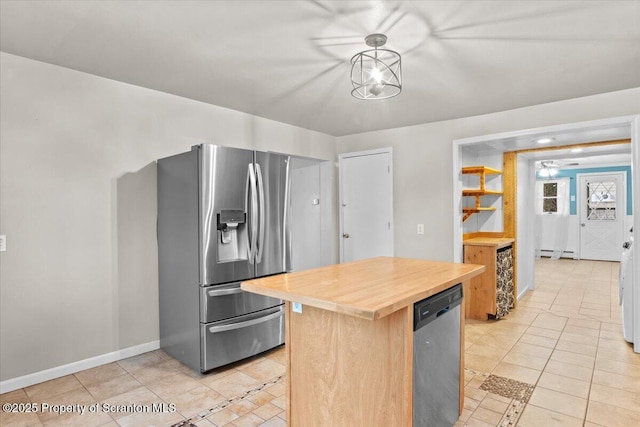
376 73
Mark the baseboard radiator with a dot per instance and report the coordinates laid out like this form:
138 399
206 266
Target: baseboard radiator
547 253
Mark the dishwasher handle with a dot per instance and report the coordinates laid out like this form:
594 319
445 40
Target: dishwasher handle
443 311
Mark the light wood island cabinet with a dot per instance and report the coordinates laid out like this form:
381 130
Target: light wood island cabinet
350 349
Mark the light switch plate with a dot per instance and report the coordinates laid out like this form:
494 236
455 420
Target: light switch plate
296 307
3 243
420 228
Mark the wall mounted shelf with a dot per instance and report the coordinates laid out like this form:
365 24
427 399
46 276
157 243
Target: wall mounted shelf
482 172
480 209
479 192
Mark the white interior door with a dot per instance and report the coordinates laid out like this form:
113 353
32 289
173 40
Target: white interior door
366 205
602 210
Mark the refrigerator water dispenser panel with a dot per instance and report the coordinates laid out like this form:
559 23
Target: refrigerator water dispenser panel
232 243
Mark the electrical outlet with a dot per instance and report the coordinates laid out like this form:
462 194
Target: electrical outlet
420 228
3 243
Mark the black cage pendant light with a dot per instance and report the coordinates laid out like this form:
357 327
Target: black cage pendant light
376 73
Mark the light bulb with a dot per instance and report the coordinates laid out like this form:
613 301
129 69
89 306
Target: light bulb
376 75
376 89
544 173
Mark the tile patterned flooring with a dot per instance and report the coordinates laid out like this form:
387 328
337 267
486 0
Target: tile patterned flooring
248 393
565 339
558 359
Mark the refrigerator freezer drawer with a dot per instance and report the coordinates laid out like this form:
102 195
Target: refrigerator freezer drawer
225 301
234 339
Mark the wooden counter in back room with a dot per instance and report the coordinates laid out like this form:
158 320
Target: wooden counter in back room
350 350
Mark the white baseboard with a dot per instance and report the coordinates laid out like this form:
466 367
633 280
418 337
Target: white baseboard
522 292
72 368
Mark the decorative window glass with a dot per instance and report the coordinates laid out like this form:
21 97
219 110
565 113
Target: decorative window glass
601 201
550 197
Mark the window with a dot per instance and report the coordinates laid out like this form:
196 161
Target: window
550 197
601 201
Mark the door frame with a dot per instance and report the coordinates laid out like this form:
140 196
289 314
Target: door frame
633 121
341 157
580 206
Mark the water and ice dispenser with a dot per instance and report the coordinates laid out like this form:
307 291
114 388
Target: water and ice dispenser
232 233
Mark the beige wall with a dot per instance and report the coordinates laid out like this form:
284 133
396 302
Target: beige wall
77 193
423 156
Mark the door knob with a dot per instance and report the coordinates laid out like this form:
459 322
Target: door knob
583 224
345 235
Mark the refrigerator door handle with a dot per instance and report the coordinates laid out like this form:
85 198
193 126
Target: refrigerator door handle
251 190
286 230
261 213
240 325
228 291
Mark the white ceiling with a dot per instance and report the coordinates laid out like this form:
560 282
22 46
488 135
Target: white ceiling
582 160
573 161
289 60
594 155
559 149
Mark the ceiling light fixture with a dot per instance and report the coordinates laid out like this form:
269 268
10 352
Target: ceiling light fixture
376 73
547 170
544 140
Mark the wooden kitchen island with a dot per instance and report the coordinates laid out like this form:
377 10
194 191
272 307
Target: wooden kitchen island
350 350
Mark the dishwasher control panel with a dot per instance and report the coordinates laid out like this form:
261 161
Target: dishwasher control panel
429 309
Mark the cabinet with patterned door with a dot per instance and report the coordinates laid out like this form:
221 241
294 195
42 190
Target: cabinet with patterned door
491 294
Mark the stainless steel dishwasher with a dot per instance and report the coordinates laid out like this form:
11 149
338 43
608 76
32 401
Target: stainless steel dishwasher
436 359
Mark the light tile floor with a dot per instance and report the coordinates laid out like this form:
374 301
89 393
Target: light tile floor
562 349
248 393
565 338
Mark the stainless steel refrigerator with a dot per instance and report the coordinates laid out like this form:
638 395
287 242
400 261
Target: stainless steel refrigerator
222 218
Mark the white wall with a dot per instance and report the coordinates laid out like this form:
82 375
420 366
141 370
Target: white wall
312 214
489 221
423 162
77 191
525 225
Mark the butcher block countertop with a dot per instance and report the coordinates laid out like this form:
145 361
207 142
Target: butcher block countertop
368 289
498 242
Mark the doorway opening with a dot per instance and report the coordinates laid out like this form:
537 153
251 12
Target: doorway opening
519 180
569 224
